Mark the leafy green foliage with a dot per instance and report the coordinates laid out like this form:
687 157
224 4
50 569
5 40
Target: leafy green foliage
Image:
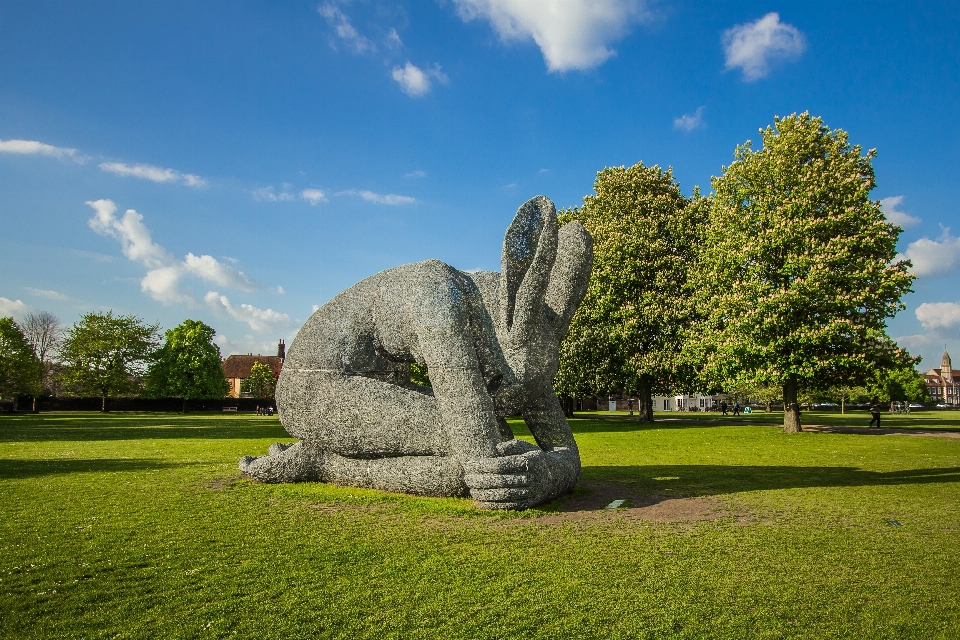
107 354
260 383
628 332
188 365
20 371
797 274
419 374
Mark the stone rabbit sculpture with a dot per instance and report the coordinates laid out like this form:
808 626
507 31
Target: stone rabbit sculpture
490 344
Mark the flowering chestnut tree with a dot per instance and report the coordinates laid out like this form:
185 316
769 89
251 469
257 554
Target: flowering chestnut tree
628 334
797 274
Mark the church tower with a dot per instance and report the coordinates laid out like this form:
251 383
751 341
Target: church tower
946 369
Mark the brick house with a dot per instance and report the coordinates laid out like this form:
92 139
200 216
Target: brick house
944 383
237 367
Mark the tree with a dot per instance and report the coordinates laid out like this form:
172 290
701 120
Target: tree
260 383
42 331
900 384
798 274
629 331
188 365
19 369
107 354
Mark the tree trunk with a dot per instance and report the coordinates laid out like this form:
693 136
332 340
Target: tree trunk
103 404
644 401
567 403
33 404
842 406
769 408
791 410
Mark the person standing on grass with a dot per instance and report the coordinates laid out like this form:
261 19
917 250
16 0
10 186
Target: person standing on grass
723 407
875 412
736 407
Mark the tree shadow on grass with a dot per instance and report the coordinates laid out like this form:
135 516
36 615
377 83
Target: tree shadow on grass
139 428
707 480
20 468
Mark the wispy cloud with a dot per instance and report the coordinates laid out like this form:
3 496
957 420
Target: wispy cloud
260 320
34 147
756 46
391 199
15 308
416 82
313 196
689 121
571 34
415 174
152 173
165 272
933 315
894 215
933 257
393 40
50 294
268 194
345 30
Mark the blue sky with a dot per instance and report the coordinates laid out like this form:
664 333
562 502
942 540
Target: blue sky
273 154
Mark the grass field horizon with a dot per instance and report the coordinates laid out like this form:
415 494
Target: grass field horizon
139 525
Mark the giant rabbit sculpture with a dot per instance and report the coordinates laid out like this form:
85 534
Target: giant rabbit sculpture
490 344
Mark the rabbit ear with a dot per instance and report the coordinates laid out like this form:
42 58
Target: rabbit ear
570 276
529 251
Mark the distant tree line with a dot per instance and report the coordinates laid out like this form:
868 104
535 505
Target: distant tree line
776 286
104 355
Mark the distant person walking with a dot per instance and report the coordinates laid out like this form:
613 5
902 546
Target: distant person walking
736 407
723 406
875 412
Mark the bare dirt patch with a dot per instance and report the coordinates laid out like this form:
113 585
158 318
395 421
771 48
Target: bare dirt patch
220 484
652 508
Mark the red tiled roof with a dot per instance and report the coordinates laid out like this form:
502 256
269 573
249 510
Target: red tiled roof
239 366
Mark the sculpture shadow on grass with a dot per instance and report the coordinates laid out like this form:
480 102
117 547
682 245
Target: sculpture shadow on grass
709 480
21 468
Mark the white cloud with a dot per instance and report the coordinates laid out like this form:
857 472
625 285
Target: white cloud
192 180
345 30
415 174
393 40
259 320
15 308
894 215
267 193
47 293
163 285
313 196
134 236
933 257
34 147
933 315
315 308
280 290
571 34
150 172
755 46
165 272
389 199
414 81
248 344
689 121
208 268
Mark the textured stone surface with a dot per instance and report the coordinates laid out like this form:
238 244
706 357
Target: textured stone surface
489 342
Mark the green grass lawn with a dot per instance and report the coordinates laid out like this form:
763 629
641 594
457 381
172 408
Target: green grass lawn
138 525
